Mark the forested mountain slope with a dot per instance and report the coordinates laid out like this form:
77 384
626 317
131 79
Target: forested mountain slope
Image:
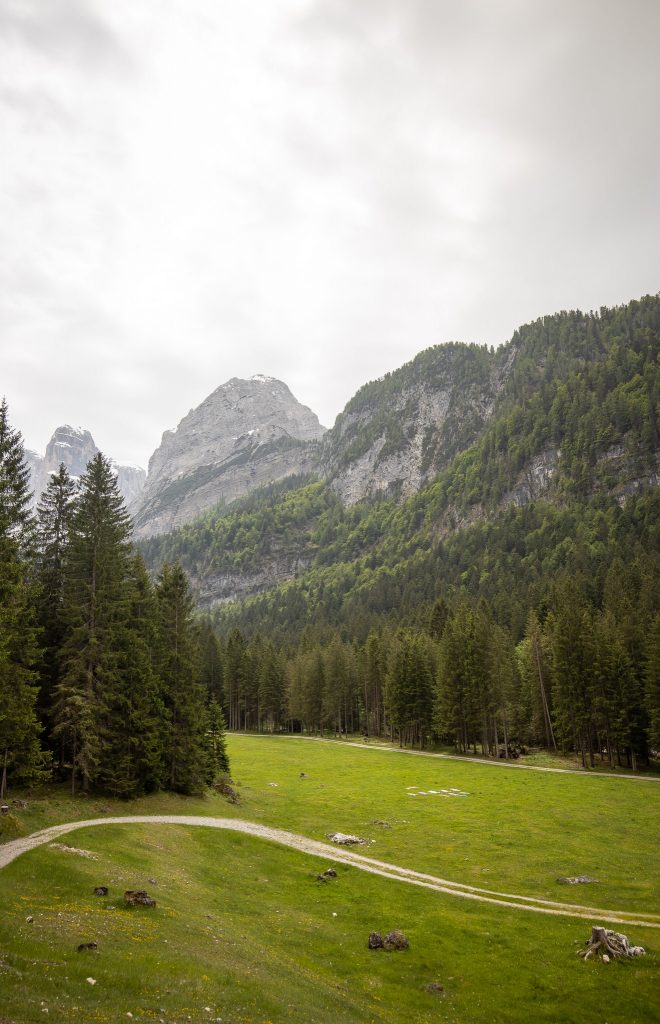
564 414
512 599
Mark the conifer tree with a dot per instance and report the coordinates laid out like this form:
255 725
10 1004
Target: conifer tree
212 667
218 758
15 518
188 768
373 671
408 687
455 711
96 610
136 726
573 662
236 675
652 681
54 517
270 681
21 757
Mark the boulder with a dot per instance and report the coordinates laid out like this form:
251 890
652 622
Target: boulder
345 840
138 898
395 940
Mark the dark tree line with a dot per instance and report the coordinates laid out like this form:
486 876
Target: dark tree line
102 673
581 678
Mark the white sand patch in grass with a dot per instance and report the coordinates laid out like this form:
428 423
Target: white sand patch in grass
435 792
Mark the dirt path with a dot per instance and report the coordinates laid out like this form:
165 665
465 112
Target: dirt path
11 850
460 757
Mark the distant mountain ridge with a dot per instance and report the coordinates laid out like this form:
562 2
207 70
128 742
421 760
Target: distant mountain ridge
75 448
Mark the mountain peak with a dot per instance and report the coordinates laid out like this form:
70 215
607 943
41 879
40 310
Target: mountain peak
245 434
75 448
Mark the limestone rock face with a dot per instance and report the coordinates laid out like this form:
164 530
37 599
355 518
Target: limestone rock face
130 480
245 435
75 447
72 446
398 432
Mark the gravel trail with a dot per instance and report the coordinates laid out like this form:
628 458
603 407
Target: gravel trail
490 763
16 847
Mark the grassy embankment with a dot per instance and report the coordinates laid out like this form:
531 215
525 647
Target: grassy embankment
244 928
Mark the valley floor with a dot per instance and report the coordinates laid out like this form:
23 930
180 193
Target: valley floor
10 851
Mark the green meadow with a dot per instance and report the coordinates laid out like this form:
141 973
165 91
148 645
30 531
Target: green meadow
244 931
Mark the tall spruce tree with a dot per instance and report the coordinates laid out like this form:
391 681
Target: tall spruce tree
136 728
188 768
53 528
21 757
218 758
456 710
96 607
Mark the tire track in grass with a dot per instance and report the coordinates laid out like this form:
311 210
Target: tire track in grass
16 847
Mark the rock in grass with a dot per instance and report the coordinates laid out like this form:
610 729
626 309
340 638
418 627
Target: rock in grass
395 940
87 945
224 789
101 890
577 880
345 840
330 873
138 898
434 988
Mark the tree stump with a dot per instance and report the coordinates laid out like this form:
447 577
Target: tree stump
611 944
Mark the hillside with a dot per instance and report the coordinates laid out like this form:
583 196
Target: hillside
537 456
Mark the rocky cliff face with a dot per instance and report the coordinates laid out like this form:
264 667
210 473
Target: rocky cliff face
247 434
75 447
400 431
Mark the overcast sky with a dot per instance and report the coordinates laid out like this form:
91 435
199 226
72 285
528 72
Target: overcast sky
192 190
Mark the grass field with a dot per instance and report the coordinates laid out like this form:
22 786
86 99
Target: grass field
245 932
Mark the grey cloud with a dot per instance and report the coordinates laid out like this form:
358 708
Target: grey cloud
64 30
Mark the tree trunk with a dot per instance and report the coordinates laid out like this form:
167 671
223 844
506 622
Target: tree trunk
550 736
3 784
